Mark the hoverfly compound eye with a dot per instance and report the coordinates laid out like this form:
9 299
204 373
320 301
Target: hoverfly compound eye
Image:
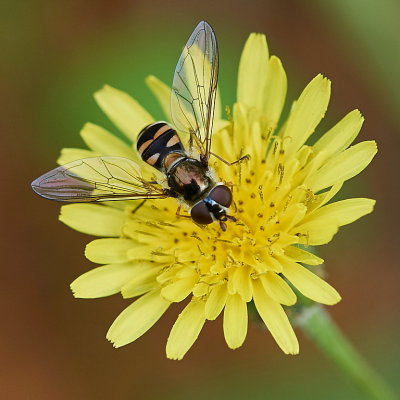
201 214
222 195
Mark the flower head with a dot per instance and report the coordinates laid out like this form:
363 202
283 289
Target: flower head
282 205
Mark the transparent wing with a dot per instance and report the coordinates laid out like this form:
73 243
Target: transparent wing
97 179
194 88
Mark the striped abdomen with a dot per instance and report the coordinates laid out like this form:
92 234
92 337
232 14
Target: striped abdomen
156 141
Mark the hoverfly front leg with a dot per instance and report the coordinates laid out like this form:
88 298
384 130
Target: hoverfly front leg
222 225
222 221
245 157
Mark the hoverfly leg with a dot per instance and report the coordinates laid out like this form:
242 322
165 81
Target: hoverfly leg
222 225
231 218
138 206
245 157
204 161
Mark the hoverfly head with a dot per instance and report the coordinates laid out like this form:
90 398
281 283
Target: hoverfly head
214 207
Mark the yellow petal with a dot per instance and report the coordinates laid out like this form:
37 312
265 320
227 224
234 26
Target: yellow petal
275 320
257 145
341 135
302 256
141 251
274 92
103 251
102 281
292 216
180 289
217 110
137 319
226 148
162 93
105 143
201 289
235 321
219 125
344 211
216 301
253 69
325 197
143 281
343 166
242 145
242 282
315 233
68 154
185 330
278 289
310 285
93 219
306 114
125 112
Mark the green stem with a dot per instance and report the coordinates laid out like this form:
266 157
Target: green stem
319 326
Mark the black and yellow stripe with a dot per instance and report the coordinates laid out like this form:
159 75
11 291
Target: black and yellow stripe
156 141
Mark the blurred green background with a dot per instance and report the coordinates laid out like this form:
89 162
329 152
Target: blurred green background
54 56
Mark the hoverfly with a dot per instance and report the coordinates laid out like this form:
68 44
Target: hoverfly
189 179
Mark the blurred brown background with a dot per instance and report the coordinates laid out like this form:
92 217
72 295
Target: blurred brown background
55 55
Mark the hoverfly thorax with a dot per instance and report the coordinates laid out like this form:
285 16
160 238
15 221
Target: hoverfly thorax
193 95
160 146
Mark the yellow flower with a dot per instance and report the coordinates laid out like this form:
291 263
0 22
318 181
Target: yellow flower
281 202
